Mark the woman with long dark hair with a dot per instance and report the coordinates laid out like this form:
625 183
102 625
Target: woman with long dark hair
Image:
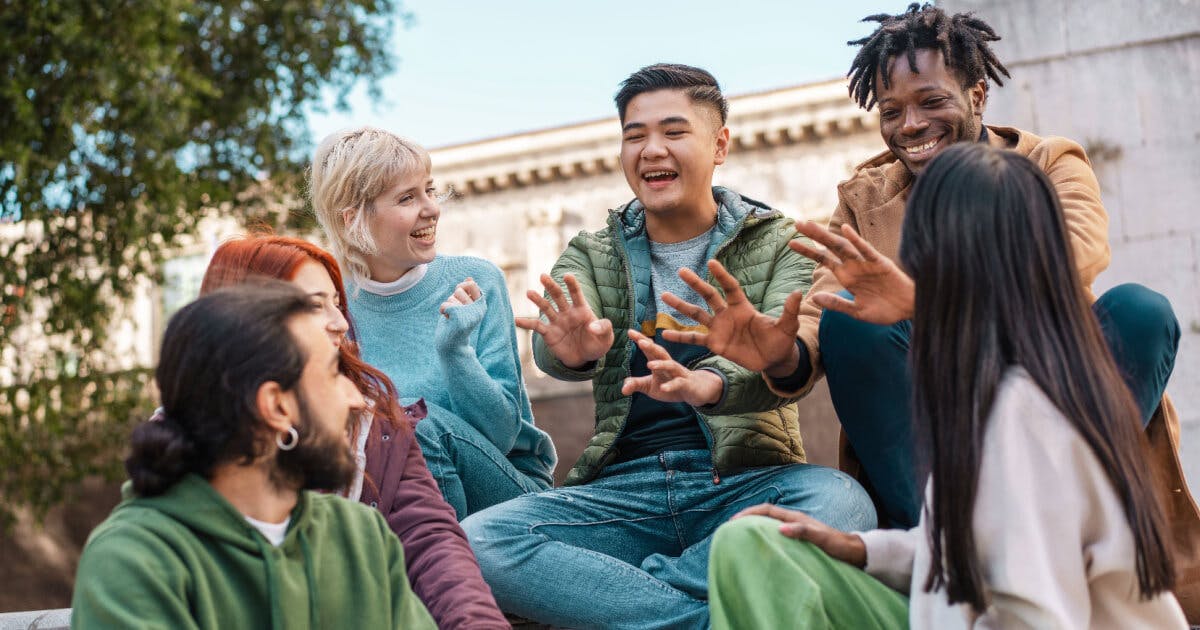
392 475
1040 511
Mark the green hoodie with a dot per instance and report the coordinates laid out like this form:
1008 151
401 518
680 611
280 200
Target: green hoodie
189 559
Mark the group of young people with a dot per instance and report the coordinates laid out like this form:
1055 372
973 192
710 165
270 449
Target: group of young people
345 438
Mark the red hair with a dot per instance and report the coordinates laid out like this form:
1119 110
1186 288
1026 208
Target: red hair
280 257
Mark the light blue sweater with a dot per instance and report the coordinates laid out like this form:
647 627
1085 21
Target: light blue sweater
467 363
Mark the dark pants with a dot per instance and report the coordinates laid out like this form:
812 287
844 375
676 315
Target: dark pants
870 382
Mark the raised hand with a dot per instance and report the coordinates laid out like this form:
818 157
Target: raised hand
883 293
669 381
571 330
465 293
797 525
737 330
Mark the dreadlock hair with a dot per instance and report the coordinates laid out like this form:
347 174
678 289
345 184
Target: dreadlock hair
962 38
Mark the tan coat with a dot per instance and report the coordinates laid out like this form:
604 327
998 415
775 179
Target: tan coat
872 201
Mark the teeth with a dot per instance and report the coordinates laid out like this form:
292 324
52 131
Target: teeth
921 149
424 232
653 174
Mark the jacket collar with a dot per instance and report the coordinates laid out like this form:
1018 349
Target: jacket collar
732 209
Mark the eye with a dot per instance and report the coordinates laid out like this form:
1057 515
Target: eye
404 199
887 114
935 101
634 137
431 191
675 133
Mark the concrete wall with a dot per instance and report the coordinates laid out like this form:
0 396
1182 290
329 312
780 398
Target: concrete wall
1123 80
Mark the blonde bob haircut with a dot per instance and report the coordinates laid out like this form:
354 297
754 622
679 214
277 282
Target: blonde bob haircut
350 169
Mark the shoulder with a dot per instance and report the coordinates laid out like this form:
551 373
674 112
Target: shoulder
1043 151
874 181
135 536
331 513
474 266
1023 418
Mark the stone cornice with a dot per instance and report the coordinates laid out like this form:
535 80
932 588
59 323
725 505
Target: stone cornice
796 115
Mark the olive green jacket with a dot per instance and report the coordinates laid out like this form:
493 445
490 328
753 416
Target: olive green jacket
750 425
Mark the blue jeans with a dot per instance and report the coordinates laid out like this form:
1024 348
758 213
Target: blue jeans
469 470
630 549
870 383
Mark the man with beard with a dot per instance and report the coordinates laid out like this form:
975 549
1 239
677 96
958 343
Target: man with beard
219 527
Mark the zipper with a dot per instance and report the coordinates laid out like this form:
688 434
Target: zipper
618 237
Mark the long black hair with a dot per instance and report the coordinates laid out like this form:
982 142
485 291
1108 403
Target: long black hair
985 241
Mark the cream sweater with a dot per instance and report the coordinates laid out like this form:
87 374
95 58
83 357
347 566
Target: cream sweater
1054 545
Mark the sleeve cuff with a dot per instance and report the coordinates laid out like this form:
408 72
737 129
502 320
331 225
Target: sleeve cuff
724 390
796 380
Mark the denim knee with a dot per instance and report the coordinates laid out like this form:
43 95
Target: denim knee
1142 314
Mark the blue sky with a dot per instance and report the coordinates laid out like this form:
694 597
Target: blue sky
473 69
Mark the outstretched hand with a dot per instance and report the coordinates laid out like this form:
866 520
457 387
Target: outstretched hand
669 380
737 330
571 330
883 293
797 525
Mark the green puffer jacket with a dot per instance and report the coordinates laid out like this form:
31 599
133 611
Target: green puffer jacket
750 426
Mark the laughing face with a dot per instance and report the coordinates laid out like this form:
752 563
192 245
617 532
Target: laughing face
669 148
404 225
924 112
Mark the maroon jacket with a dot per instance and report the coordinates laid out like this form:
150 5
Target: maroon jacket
441 566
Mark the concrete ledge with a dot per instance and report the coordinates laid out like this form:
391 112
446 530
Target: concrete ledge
59 619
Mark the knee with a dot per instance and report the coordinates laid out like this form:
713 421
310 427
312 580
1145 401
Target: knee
844 339
1140 313
844 503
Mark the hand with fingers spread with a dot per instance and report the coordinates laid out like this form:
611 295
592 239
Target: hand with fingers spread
797 525
669 381
883 293
571 330
737 330
465 293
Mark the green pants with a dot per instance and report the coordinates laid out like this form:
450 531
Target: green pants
759 578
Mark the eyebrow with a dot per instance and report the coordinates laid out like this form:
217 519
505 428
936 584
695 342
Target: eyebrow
669 120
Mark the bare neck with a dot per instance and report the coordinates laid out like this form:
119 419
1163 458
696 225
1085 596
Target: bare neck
384 273
681 224
250 491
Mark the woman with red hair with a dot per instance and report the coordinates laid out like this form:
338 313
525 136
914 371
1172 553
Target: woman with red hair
392 474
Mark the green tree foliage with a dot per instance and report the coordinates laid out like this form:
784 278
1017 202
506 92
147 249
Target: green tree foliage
120 121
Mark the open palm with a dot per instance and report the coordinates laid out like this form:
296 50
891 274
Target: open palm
571 330
883 293
736 329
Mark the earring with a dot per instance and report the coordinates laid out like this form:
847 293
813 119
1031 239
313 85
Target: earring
291 443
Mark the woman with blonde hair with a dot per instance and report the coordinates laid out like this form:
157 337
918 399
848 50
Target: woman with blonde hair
373 195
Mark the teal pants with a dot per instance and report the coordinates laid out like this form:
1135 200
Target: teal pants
759 578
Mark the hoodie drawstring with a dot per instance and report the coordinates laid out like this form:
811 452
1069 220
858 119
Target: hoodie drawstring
272 596
312 580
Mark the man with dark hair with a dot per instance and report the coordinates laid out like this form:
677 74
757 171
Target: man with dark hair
219 527
683 439
928 72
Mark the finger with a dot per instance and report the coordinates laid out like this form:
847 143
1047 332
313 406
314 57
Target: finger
637 384
602 329
729 284
543 305
442 309
666 369
789 319
711 296
834 302
555 292
772 511
821 255
868 251
689 337
653 351
531 323
462 296
839 245
697 314
575 289
472 289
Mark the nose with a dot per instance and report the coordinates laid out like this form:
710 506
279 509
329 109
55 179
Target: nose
654 147
913 123
431 209
337 324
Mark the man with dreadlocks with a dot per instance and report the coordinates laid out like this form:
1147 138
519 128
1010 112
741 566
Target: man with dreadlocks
928 73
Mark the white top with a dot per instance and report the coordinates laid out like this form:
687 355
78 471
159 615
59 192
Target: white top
354 491
1055 548
395 287
273 532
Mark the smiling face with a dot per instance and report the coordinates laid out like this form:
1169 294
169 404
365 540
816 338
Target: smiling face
923 113
669 149
315 281
404 226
